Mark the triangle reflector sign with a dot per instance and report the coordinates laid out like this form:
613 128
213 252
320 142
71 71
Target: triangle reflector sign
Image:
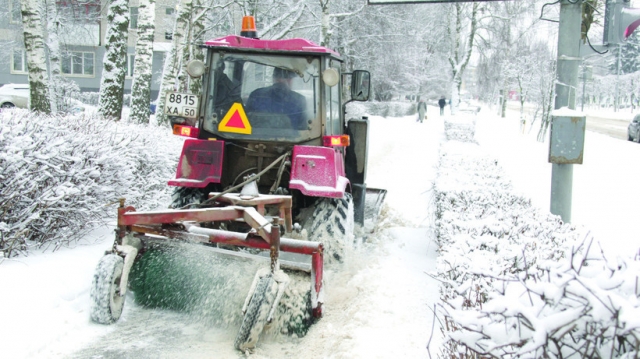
235 121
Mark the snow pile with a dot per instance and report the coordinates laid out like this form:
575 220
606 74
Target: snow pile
517 282
383 109
58 175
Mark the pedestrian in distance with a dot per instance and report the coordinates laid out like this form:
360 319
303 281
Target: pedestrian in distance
442 103
422 111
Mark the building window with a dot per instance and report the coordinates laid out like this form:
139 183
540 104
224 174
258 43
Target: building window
78 63
133 17
19 62
130 62
85 11
168 35
14 10
169 11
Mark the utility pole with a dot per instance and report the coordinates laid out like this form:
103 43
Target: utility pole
584 86
566 85
618 65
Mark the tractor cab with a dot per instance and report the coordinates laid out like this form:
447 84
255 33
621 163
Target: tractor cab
273 90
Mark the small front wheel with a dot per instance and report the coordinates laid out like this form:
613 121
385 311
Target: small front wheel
255 318
106 301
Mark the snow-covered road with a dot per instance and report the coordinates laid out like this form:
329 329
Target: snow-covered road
379 305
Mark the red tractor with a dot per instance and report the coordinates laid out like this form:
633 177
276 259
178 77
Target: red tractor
270 153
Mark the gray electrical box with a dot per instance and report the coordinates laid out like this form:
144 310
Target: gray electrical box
567 138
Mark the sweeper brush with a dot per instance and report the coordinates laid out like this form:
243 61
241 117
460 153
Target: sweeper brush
211 284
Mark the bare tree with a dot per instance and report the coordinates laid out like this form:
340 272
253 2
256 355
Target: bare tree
188 33
462 45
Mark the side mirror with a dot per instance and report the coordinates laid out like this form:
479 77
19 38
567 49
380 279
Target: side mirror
360 85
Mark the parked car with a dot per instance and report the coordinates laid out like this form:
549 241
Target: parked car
633 131
14 95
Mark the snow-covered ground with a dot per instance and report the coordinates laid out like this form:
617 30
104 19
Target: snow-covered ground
378 306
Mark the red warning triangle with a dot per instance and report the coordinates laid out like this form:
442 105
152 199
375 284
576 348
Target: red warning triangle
235 121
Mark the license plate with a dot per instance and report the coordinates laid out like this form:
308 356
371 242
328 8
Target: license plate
181 104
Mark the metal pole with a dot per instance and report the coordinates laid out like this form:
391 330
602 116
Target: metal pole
584 82
568 63
616 101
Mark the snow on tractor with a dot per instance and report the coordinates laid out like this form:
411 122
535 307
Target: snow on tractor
270 166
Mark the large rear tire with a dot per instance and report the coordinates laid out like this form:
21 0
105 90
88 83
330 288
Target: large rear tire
106 302
256 315
333 225
183 196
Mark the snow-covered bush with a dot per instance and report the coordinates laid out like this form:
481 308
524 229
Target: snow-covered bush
460 130
93 98
90 98
59 174
585 306
517 281
66 92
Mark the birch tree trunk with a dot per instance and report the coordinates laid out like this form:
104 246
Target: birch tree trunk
173 61
142 70
325 23
36 59
115 61
53 44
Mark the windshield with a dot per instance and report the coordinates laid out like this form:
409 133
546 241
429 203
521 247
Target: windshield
258 97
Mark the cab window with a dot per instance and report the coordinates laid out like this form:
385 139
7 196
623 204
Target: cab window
334 126
276 96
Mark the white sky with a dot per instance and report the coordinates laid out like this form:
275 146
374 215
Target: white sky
378 305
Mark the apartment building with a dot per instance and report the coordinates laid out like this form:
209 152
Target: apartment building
82 35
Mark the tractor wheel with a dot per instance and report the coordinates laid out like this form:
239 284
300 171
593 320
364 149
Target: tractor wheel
256 315
106 302
333 225
183 196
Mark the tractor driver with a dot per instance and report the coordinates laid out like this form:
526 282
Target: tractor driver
280 99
